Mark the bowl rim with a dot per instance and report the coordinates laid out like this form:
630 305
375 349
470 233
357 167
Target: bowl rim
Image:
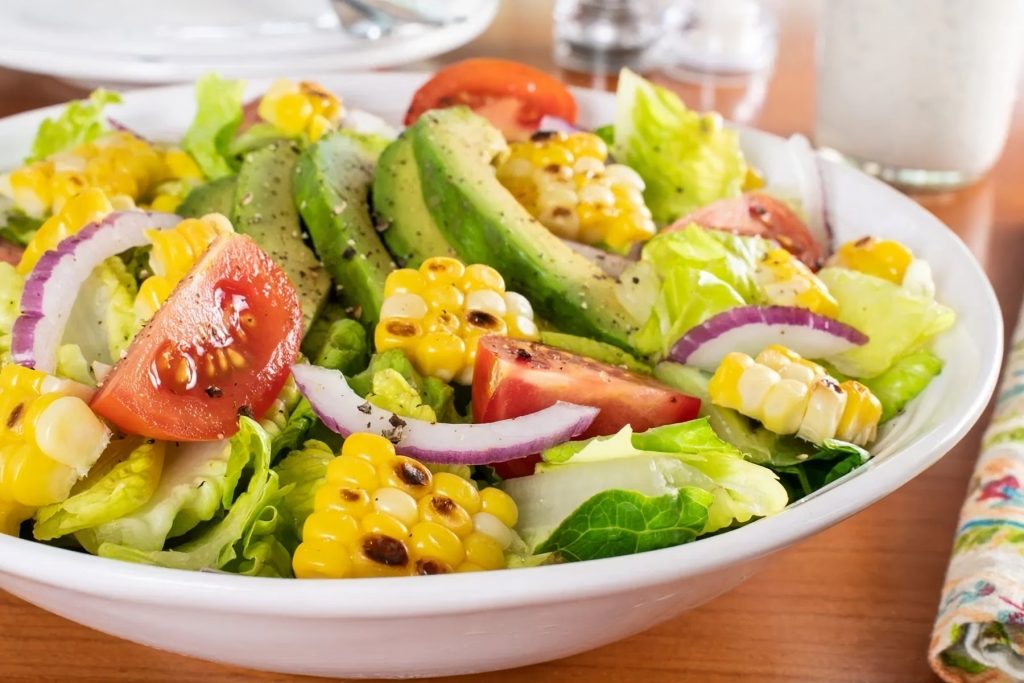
22 559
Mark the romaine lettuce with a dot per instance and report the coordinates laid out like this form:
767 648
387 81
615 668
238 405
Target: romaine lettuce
904 380
218 115
80 122
686 159
895 320
438 395
11 284
300 473
103 321
391 391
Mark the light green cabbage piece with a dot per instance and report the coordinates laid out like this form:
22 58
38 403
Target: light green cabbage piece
109 492
391 391
80 122
895 320
686 159
218 115
700 273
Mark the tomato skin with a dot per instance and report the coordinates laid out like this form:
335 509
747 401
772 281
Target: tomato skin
513 377
758 214
235 298
483 85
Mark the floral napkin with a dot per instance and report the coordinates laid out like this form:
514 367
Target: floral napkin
979 632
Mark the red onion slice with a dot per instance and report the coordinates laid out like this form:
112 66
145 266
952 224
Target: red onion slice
345 412
50 289
750 329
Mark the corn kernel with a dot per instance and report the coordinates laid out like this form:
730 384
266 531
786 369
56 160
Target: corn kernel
300 108
496 502
440 354
484 551
321 560
395 503
442 270
887 259
405 474
352 471
352 501
446 512
787 281
372 447
331 525
430 540
459 490
384 524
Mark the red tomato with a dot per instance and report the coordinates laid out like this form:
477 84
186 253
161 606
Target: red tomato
510 95
10 253
218 348
513 377
758 214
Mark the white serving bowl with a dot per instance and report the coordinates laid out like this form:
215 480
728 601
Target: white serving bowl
437 625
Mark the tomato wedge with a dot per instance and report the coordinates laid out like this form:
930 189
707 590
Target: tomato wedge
759 214
218 348
512 96
513 377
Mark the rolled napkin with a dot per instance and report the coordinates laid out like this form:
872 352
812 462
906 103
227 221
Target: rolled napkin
979 632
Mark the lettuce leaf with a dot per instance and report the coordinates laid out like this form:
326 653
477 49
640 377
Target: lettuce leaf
391 391
337 344
438 395
218 115
617 522
103 320
895 320
686 159
243 539
301 473
701 273
110 491
17 227
904 380
80 122
11 284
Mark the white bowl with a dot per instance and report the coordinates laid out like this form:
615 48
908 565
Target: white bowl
454 624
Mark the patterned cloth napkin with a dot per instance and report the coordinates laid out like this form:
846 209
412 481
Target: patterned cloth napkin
979 632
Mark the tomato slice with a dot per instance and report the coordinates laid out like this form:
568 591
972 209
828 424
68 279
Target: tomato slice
218 348
512 96
513 377
759 214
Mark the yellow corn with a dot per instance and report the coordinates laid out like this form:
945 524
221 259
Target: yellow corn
300 108
49 438
790 395
85 207
887 259
438 313
563 182
174 254
383 514
786 281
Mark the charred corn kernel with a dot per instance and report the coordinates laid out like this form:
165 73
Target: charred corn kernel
887 259
300 108
118 164
173 255
437 313
49 439
86 207
398 519
791 395
786 281
565 182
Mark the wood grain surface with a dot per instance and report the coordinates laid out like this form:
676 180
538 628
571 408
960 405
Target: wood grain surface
854 603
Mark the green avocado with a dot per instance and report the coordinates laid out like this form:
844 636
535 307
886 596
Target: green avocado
454 150
407 228
332 191
215 196
263 209
591 348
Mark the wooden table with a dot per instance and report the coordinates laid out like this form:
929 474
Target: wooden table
855 603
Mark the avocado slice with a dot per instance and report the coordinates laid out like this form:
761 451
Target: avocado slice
264 210
215 196
332 189
406 226
454 149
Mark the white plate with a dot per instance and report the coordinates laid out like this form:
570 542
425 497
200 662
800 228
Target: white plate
176 42
439 625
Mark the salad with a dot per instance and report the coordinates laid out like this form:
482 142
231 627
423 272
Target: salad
298 342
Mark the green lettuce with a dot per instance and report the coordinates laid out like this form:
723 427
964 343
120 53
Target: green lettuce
103 321
80 122
895 320
338 344
617 522
111 490
243 539
438 395
300 473
218 115
391 391
17 227
904 380
817 466
700 273
686 159
11 284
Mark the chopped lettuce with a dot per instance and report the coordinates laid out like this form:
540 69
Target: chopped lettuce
243 539
818 466
113 489
300 473
80 122
895 320
391 391
904 380
438 395
17 227
11 284
103 320
592 348
617 522
700 273
218 115
686 159
339 344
